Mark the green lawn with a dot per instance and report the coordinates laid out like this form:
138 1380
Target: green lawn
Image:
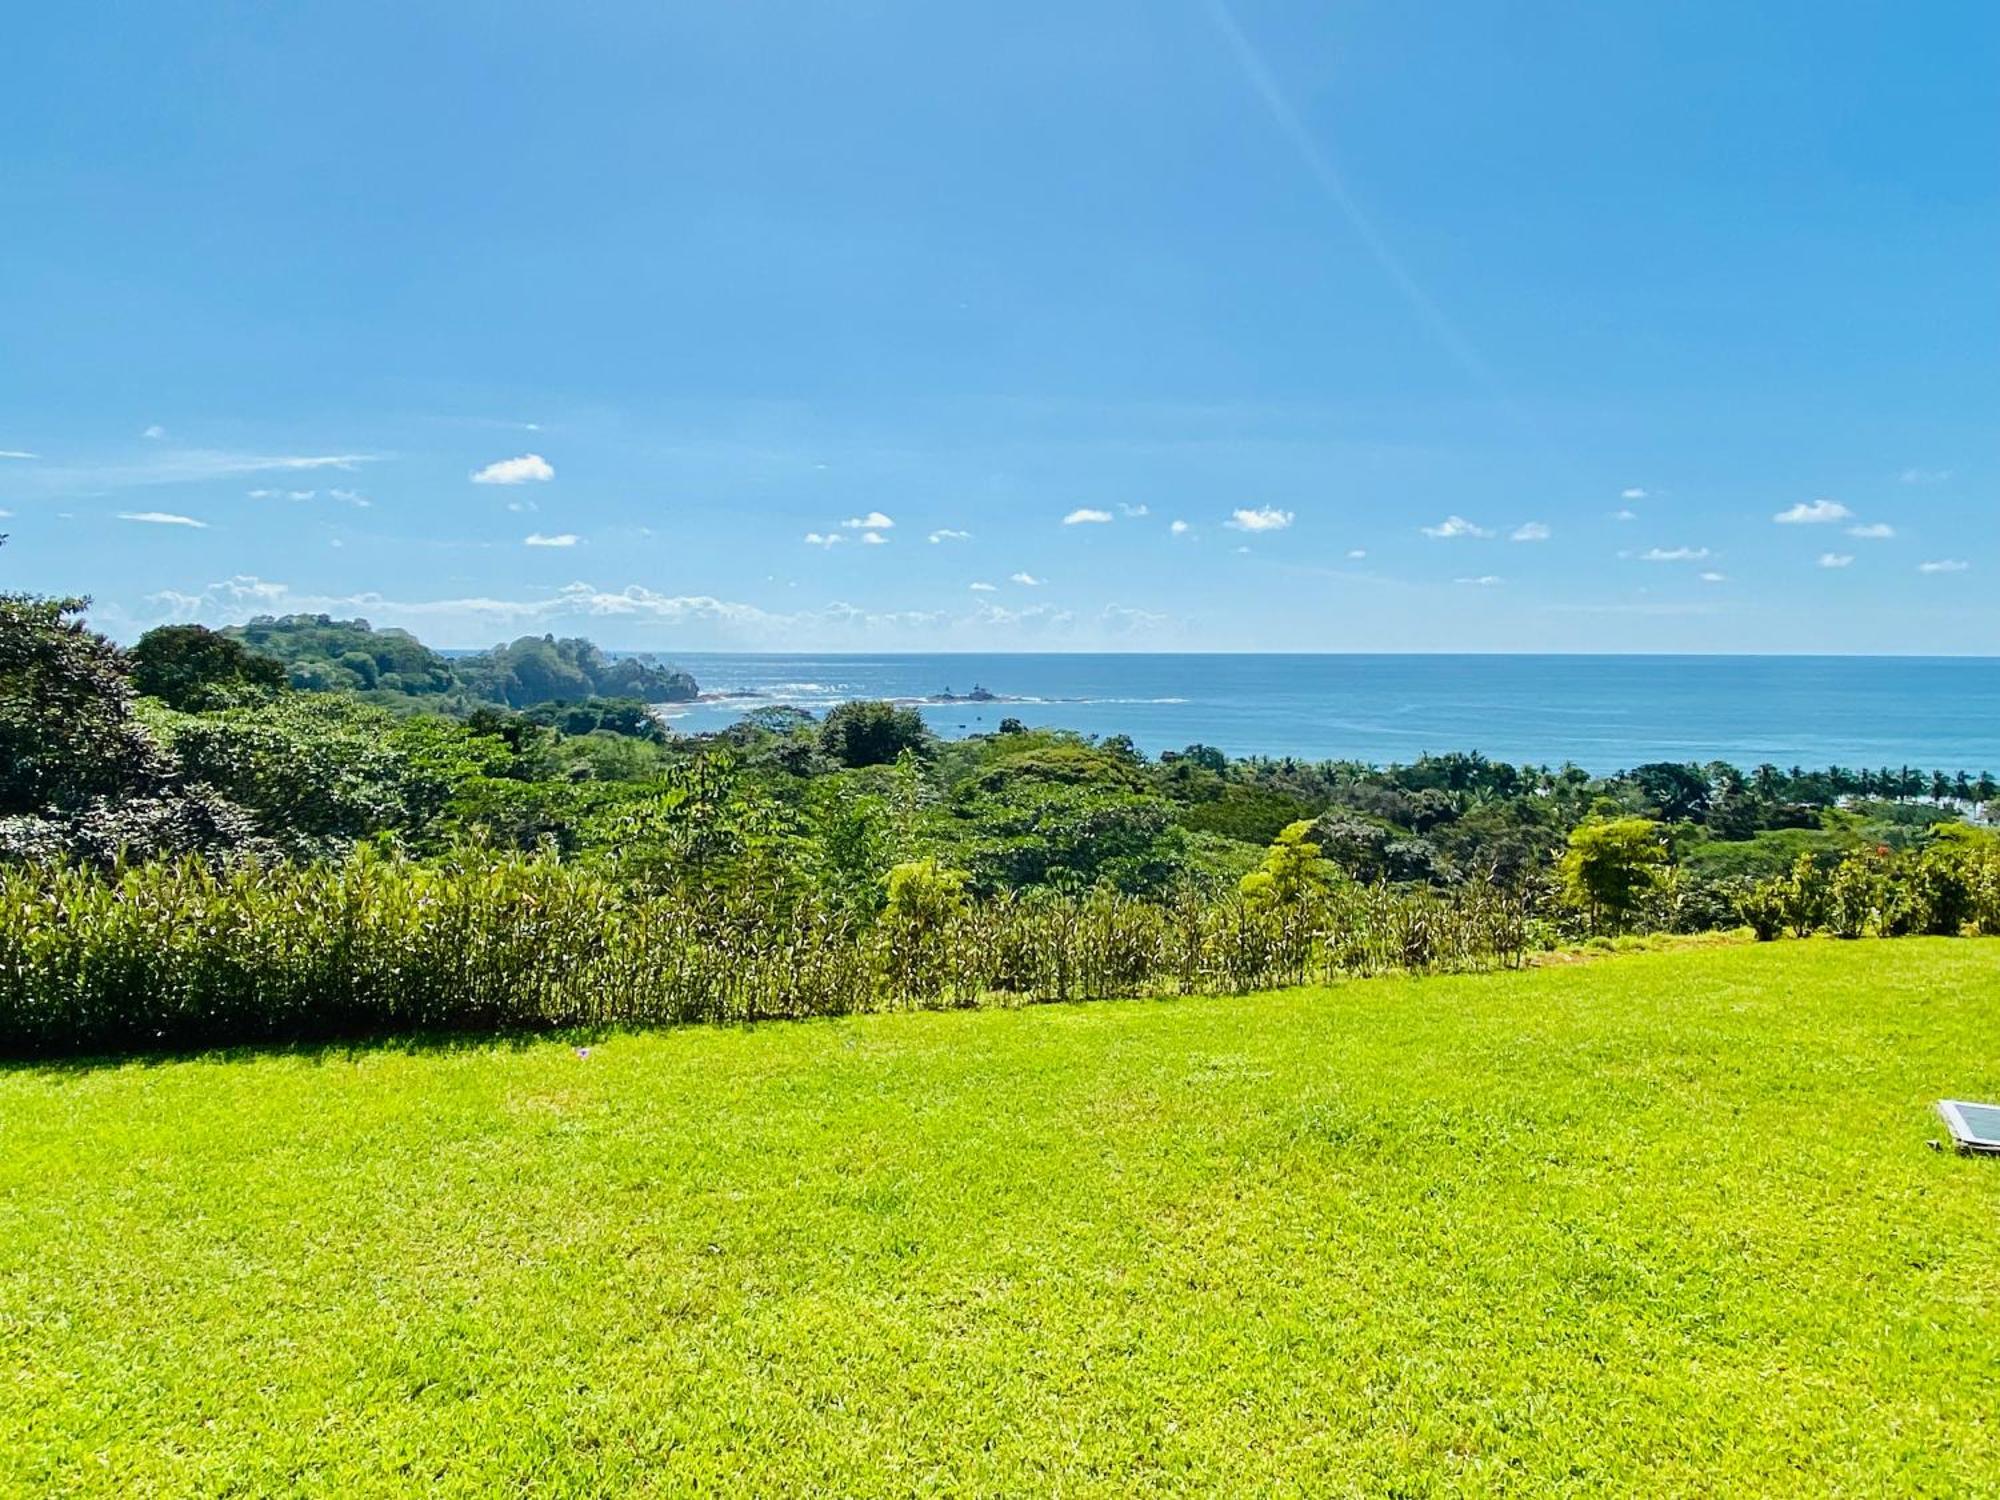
1663 1223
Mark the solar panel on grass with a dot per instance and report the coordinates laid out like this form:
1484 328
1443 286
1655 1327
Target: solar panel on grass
1975 1127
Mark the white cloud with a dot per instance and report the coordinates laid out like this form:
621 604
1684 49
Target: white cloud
350 497
1715 578
522 506
946 534
186 465
1624 515
1179 528
561 539
874 538
1027 580
17 453
1634 493
824 539
1135 511
1818 512
982 588
1263 518
321 461
529 467
233 599
156 432
873 521
1453 526
1043 617
4 514
1874 531
161 518
1944 565
1529 531
240 597
1086 517
1924 476
1835 559
1484 580
1673 554
1357 553
1123 617
635 615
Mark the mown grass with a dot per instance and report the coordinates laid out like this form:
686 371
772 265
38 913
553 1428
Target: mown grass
1660 1224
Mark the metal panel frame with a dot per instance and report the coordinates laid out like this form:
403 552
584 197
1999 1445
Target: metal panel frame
1962 1132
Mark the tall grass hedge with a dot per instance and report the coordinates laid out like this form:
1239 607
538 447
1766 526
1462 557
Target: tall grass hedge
176 955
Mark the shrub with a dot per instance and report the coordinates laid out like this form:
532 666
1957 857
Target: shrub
1853 896
1762 905
1686 901
1802 896
1985 890
1940 891
184 954
925 903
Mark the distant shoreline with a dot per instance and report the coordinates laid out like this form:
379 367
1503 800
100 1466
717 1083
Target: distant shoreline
1602 712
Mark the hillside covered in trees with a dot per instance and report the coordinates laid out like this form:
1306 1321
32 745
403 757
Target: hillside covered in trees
550 746
322 654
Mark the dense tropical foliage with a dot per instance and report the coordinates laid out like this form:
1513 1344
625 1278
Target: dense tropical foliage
192 849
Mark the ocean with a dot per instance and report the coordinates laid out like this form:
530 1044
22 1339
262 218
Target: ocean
1604 713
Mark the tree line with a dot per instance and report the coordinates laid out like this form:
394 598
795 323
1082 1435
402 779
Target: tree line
196 752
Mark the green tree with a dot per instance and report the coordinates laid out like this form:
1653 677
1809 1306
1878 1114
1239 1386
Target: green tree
535 670
320 771
67 732
81 776
1253 814
1676 793
871 733
1292 869
853 829
323 654
192 667
1610 867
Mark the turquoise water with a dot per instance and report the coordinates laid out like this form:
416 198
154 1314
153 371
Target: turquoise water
1602 712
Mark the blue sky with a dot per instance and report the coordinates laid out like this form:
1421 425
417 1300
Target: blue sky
1161 325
